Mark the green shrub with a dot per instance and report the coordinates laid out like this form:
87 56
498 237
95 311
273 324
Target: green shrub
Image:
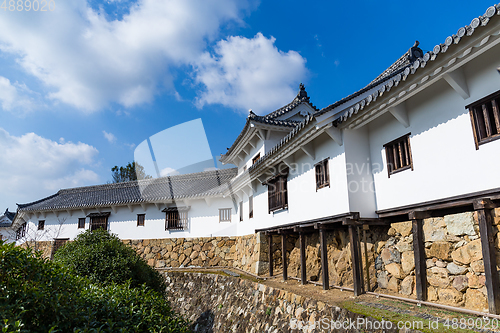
103 258
37 295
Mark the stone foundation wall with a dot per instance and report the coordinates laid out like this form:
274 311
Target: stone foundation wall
455 269
216 303
245 252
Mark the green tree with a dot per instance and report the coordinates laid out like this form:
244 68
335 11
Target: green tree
103 258
132 171
39 295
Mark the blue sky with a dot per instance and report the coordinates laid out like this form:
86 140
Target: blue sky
83 85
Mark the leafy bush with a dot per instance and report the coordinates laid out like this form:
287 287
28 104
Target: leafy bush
37 295
103 258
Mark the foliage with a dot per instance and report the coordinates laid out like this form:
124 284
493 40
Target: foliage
132 171
103 258
37 295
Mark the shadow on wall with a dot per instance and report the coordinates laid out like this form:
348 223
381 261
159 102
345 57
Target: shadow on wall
204 323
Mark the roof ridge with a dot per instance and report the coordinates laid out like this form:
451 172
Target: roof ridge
299 98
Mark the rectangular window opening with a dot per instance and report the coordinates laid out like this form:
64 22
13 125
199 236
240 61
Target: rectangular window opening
225 215
398 155
485 119
140 219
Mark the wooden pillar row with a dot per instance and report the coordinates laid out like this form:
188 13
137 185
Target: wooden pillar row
484 208
270 242
303 277
324 259
417 218
283 257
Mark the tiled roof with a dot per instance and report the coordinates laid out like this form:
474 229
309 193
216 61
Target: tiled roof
421 62
6 219
300 98
208 183
283 141
399 66
270 119
9 215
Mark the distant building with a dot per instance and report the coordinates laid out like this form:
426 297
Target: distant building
6 230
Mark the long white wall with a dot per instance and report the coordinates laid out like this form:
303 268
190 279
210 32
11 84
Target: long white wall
446 162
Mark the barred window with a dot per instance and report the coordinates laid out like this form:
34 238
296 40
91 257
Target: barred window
225 215
41 224
322 174
277 192
485 118
176 218
398 155
99 221
21 231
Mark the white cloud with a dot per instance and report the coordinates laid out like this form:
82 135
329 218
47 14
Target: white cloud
249 74
33 167
16 97
109 136
168 172
88 61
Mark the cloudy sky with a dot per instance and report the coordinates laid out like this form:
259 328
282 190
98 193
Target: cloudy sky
83 83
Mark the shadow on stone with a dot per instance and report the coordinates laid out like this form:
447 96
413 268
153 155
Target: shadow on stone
204 323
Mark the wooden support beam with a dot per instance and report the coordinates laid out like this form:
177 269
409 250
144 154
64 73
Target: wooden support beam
262 134
268 134
484 209
70 212
324 259
367 262
303 277
335 134
458 82
399 112
419 253
289 161
115 209
131 208
308 149
283 256
144 206
360 260
356 260
270 242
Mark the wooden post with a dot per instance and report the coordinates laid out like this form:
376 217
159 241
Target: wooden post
270 241
356 260
303 277
417 218
360 261
367 263
484 209
283 256
324 259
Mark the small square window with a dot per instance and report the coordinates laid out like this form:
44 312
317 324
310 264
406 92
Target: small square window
225 215
81 223
322 174
485 118
41 224
250 207
140 219
398 155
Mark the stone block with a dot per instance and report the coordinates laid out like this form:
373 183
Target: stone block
403 228
393 284
390 255
395 270
477 266
408 261
460 224
450 296
468 253
475 300
440 250
455 269
407 285
434 229
460 283
382 280
476 281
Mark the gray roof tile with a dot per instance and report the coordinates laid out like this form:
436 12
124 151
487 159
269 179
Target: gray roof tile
208 183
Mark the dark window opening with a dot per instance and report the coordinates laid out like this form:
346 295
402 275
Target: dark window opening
256 158
99 221
250 207
140 219
485 118
21 231
322 174
81 223
398 155
175 219
241 211
277 192
41 224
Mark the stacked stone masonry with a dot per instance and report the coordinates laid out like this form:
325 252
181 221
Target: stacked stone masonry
216 303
